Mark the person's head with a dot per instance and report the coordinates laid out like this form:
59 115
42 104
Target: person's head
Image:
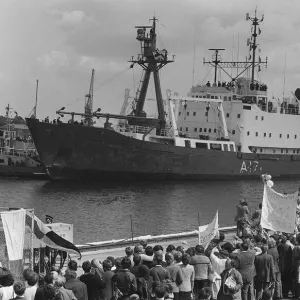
229 263
86 266
205 294
26 272
138 249
271 243
144 243
149 251
257 239
190 251
267 295
144 272
283 239
19 288
244 202
199 249
7 280
126 263
178 257
32 279
170 248
136 259
158 259
49 291
264 248
70 274
95 263
41 281
48 278
60 281
186 259
228 247
221 236
245 246
128 251
72 265
169 258
112 259
157 248
180 249
107 265
160 291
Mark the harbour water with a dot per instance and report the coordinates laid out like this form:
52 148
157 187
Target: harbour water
102 211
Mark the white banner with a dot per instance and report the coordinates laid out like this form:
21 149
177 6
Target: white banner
279 211
208 232
14 231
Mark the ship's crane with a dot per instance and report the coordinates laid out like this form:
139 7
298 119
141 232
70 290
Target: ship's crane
88 107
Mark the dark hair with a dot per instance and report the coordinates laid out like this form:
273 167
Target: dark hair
149 251
107 264
128 251
48 278
180 249
126 263
41 280
178 256
170 248
7 280
86 266
229 247
26 272
257 239
118 262
19 288
72 265
199 249
221 236
49 291
70 274
112 259
186 259
158 259
32 278
205 293
266 295
190 251
245 245
136 259
157 248
160 291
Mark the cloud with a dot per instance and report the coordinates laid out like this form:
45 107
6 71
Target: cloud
71 19
53 59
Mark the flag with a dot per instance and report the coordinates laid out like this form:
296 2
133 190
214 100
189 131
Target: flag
14 232
208 232
48 237
279 211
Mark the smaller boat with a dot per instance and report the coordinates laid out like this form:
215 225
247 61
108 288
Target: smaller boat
18 156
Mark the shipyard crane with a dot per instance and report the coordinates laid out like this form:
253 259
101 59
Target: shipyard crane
88 107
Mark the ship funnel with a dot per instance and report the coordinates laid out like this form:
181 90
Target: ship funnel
297 93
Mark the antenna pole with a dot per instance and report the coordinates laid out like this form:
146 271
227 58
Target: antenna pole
216 61
284 77
36 97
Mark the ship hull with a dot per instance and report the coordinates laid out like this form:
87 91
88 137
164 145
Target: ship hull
24 172
71 151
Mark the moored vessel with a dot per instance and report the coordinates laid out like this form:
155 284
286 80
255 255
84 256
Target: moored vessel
143 148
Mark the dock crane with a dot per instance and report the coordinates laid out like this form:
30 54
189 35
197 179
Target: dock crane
88 107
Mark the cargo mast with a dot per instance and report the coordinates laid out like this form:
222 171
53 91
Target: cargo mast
88 107
151 60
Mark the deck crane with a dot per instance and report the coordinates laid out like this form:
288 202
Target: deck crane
88 107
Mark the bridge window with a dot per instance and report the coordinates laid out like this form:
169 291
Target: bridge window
186 129
262 118
298 151
195 129
274 150
248 132
187 143
280 135
194 113
231 147
229 98
256 117
227 115
260 150
265 134
201 145
288 136
215 146
287 151
295 136
197 96
294 151
238 116
225 146
270 134
233 131
188 113
225 98
180 113
209 130
281 150
204 129
212 97
215 130
256 133
180 129
200 129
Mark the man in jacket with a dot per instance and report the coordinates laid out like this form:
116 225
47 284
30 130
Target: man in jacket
78 287
264 270
245 261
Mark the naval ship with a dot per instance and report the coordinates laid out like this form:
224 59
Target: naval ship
247 135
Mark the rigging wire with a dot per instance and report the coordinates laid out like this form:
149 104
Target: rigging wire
206 75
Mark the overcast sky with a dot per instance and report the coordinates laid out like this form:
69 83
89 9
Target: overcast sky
60 41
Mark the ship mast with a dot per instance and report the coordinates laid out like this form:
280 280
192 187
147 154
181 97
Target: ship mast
216 61
151 60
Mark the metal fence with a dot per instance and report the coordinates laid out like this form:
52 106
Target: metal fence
28 256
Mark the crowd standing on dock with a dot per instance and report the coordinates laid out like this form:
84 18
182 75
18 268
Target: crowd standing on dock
256 265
